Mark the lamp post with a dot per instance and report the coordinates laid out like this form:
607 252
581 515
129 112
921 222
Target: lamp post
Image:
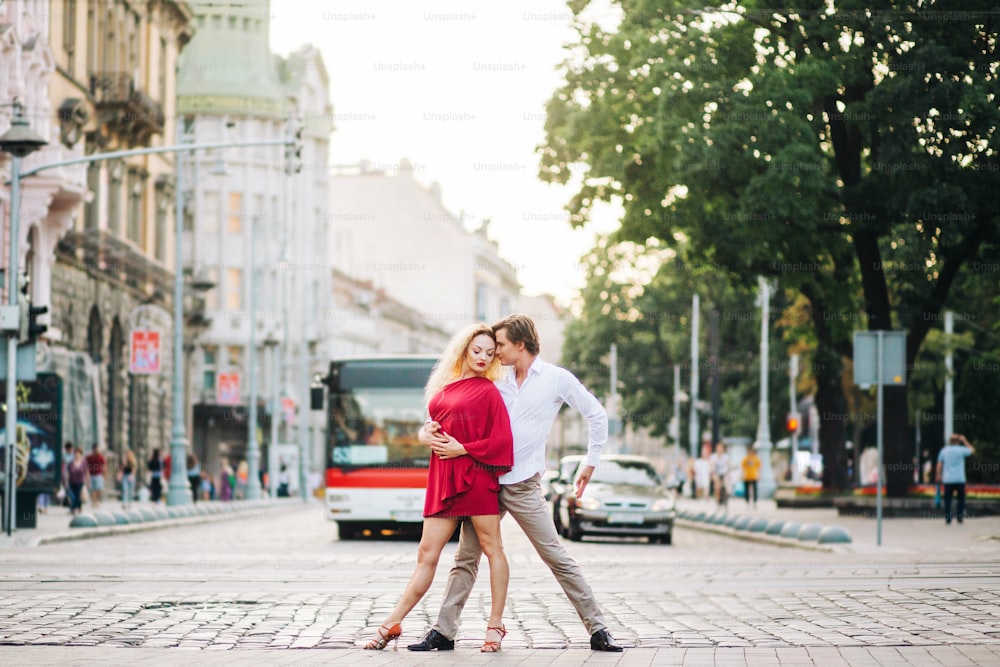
20 142
765 483
271 344
179 490
253 447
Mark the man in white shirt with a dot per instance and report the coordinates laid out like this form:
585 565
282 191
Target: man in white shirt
533 392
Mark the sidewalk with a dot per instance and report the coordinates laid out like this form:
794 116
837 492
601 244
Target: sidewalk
887 656
54 525
976 538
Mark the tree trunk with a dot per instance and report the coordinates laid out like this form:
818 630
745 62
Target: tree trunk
832 407
897 445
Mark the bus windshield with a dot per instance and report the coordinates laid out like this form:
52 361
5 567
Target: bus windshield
375 412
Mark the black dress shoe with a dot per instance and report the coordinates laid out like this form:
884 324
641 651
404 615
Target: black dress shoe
435 640
603 641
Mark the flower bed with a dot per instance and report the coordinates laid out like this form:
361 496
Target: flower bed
984 491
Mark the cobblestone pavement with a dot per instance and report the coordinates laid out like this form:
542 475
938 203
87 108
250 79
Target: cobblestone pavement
243 588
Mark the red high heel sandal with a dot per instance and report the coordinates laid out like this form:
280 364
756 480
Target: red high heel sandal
386 634
491 646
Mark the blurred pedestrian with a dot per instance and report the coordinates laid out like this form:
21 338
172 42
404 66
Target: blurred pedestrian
126 476
680 475
64 477
77 475
702 476
951 473
96 464
227 481
155 467
194 476
242 480
751 472
206 487
283 481
720 474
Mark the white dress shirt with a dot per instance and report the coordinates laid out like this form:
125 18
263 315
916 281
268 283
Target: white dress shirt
533 407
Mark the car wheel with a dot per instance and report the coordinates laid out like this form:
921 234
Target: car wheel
666 539
556 521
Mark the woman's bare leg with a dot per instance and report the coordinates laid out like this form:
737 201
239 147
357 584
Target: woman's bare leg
437 532
488 530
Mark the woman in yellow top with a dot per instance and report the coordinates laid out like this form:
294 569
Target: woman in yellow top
751 471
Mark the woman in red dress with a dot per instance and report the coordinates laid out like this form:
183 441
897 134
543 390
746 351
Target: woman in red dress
462 398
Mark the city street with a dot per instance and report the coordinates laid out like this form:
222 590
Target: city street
247 587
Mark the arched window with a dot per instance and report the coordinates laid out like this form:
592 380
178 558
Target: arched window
95 335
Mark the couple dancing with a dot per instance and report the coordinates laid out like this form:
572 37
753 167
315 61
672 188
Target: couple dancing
488 444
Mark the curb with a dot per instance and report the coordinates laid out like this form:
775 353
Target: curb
230 511
788 542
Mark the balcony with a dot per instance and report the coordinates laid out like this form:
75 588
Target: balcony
128 110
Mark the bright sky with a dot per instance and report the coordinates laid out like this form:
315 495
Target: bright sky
459 89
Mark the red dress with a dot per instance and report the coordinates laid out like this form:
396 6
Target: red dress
471 411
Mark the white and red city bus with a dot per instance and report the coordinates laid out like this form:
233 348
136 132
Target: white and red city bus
376 469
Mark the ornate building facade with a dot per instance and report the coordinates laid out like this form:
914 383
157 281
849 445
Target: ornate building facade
254 231
98 76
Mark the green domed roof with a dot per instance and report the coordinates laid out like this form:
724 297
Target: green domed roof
227 67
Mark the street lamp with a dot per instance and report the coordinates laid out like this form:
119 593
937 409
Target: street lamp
253 448
271 344
179 490
766 484
20 142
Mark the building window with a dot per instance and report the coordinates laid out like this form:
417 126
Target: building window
162 71
115 176
208 368
209 221
234 290
235 353
235 212
91 210
134 222
162 221
504 307
211 296
481 302
69 36
93 37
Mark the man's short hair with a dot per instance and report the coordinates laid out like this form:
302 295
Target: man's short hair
520 329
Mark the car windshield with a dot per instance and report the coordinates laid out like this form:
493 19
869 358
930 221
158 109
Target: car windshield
638 473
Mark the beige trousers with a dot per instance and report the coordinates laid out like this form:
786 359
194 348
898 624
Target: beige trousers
525 502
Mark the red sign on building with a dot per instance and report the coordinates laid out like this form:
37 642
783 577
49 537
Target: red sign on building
227 389
144 353
288 409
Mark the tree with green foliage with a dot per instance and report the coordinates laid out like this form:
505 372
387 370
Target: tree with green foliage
850 153
639 298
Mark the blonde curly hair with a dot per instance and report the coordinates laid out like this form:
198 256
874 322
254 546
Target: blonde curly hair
449 366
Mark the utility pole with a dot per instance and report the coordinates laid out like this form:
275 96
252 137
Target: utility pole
713 341
765 483
694 430
949 378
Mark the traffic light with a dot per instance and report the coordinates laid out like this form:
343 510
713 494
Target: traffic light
29 328
792 423
36 328
293 146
